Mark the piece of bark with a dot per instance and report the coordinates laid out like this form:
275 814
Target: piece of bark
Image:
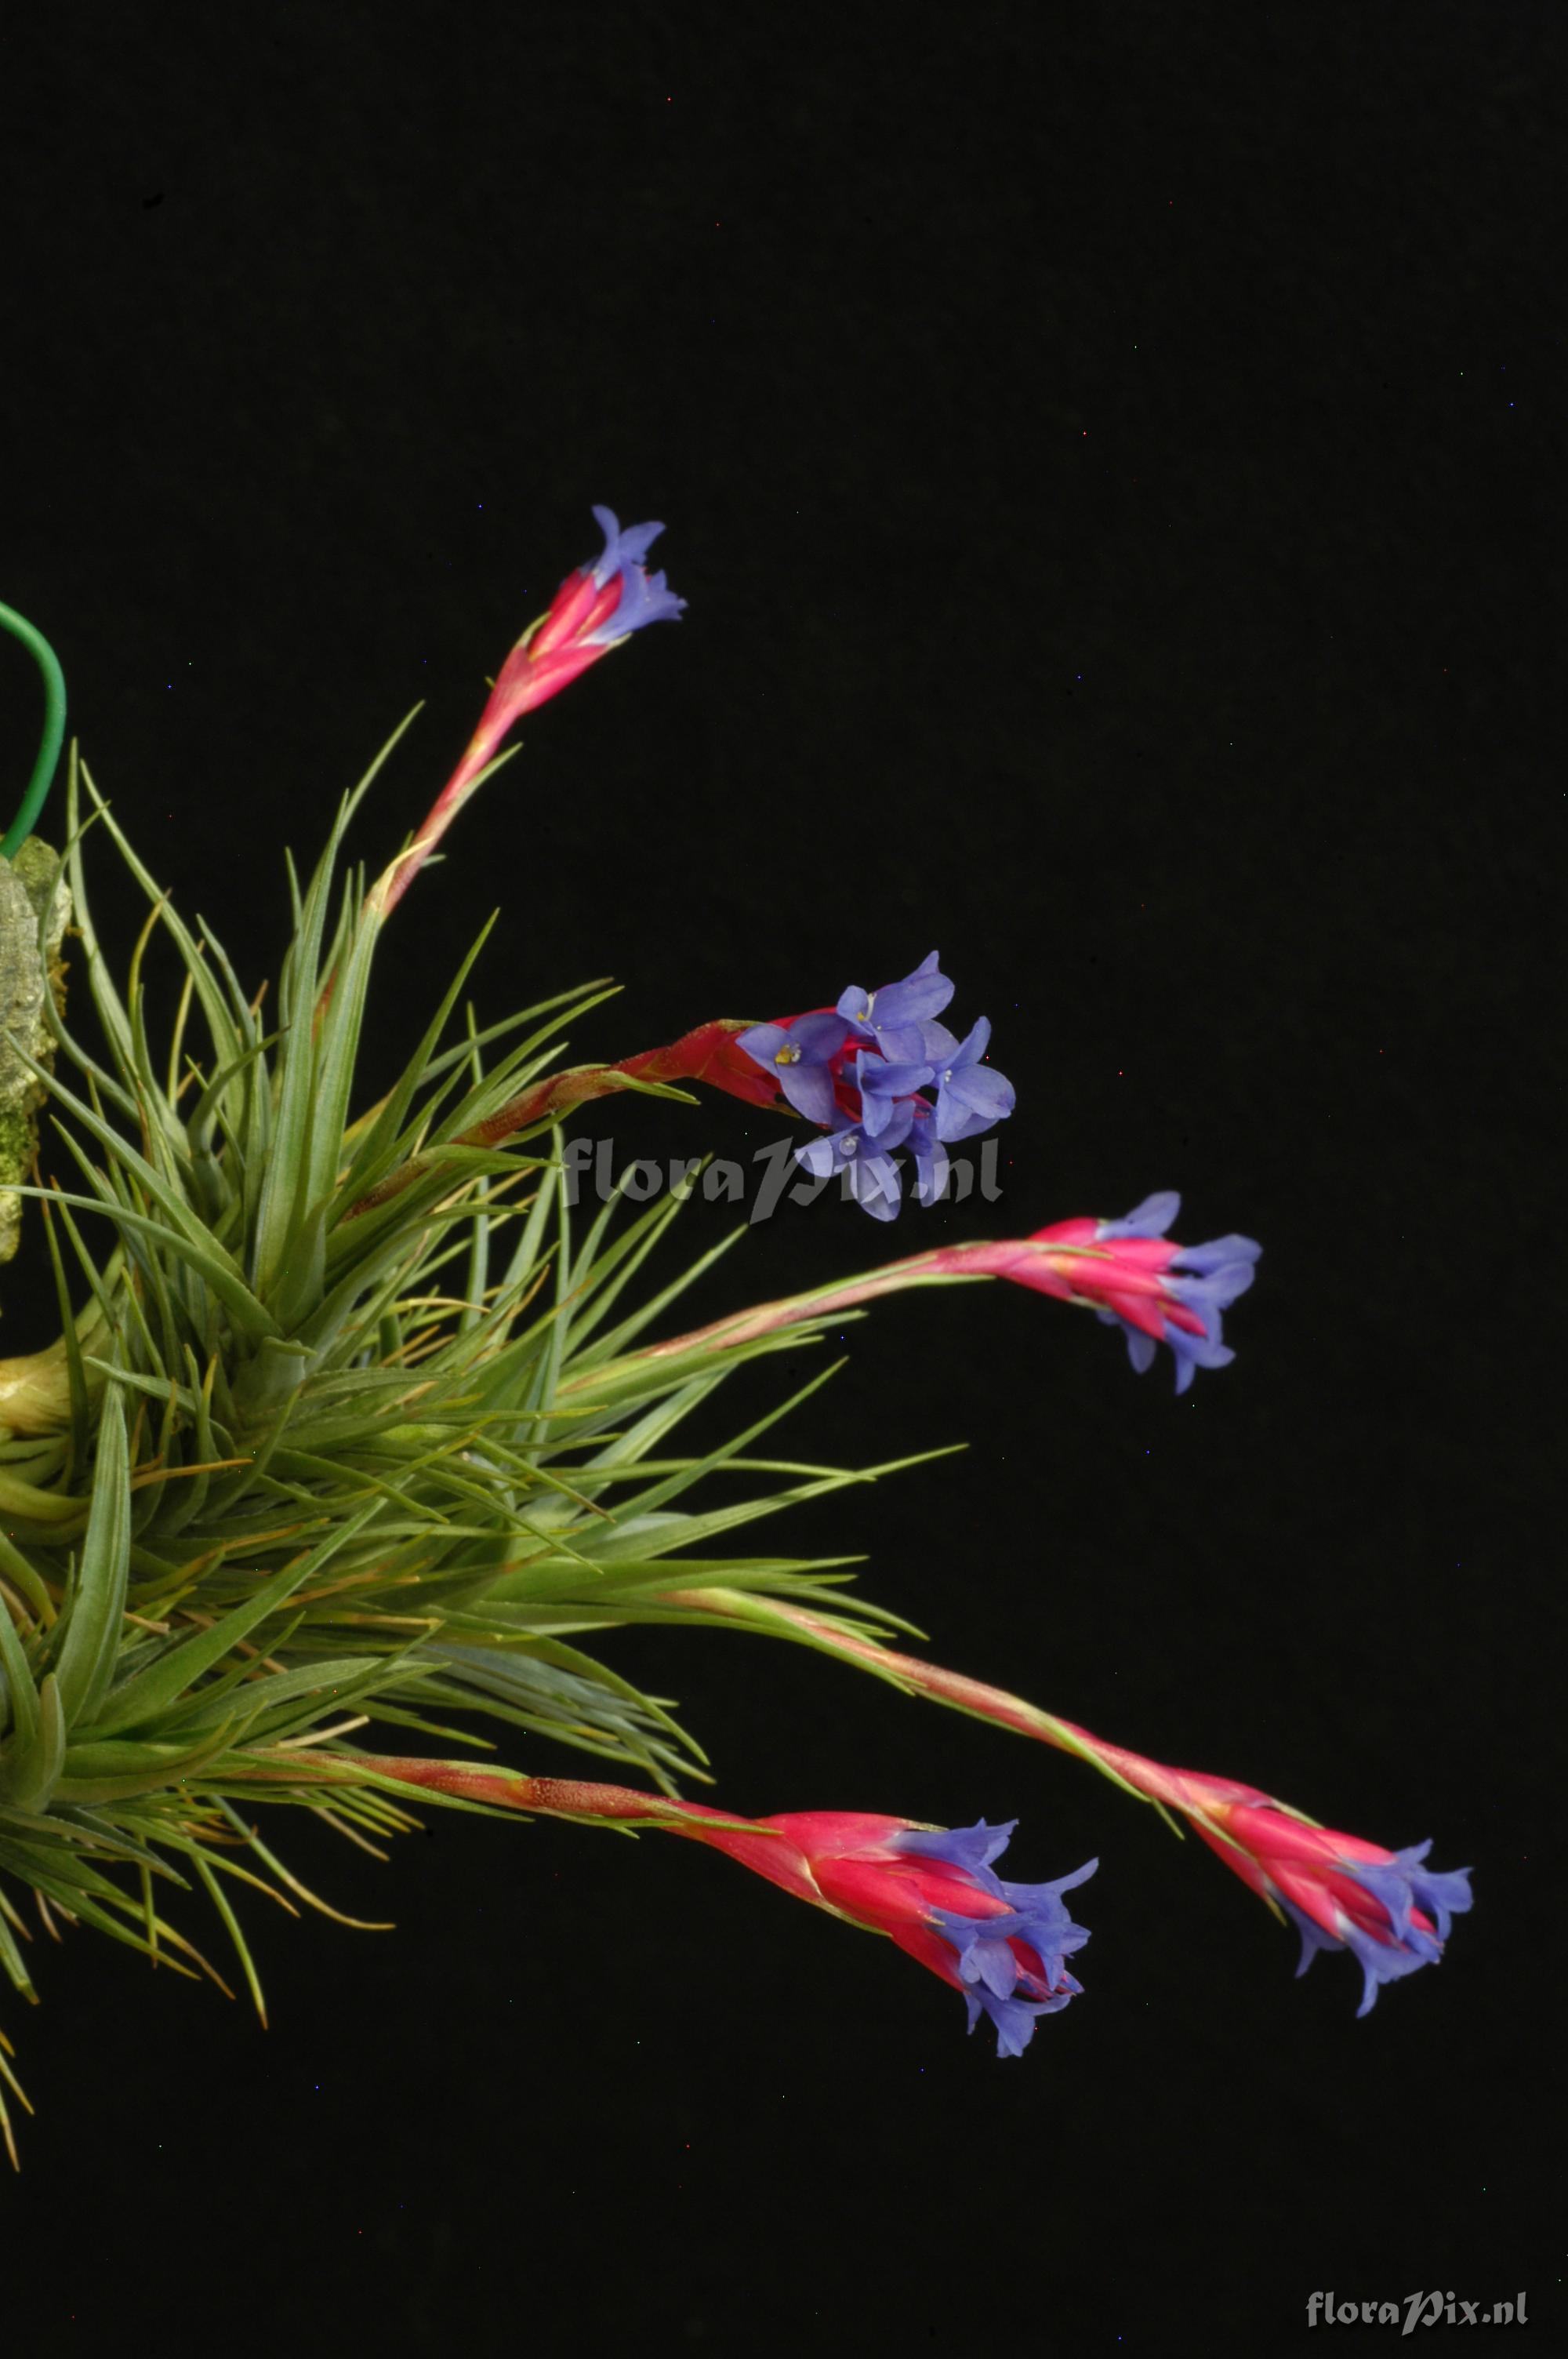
33 906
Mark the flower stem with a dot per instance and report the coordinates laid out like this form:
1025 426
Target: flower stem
1149 1781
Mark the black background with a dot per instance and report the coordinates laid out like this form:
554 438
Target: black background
1113 461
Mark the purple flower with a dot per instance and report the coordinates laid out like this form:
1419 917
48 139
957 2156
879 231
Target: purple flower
868 1109
1218 1272
798 1055
970 1097
872 1174
894 1017
881 1086
1024 1946
930 1155
644 597
1389 1954
1404 1883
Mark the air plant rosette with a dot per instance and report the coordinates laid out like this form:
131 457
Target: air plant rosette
357 1432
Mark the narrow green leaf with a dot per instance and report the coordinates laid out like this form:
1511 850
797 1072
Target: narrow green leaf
94 1772
19 1703
197 1250
23 1577
219 1900
29 1773
92 1617
152 1691
16 1973
221 1022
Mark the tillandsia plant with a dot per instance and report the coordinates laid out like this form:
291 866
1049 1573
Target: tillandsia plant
356 1433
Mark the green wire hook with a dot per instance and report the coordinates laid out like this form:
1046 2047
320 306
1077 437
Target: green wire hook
39 785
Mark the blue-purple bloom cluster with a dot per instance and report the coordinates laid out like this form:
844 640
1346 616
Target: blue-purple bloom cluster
1401 1884
1216 1274
644 597
990 1969
859 1071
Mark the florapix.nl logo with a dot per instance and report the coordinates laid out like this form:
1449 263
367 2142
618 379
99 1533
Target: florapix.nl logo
771 1175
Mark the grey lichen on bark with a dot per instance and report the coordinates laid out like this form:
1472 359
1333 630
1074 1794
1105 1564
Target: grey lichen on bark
33 906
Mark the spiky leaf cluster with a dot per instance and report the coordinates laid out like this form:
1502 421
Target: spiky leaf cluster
299 1464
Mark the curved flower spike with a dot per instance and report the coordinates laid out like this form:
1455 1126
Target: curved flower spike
930 1889
1117 1268
594 609
1387 1908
